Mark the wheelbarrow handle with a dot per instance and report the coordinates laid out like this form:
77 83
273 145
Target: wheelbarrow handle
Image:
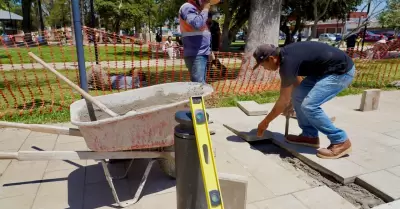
43 128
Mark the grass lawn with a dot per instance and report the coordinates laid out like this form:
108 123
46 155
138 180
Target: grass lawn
68 53
37 96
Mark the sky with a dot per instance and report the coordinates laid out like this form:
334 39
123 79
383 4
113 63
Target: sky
380 7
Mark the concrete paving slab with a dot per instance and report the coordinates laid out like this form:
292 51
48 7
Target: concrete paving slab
322 197
370 100
395 134
38 143
382 183
68 139
17 202
395 170
3 166
247 131
251 206
374 161
22 178
61 189
95 173
277 179
233 190
282 202
252 108
99 195
167 201
55 165
390 205
341 169
256 191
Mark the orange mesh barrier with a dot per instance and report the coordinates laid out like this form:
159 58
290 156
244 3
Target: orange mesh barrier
27 88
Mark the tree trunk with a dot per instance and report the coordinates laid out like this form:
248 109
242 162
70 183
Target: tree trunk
225 27
26 21
263 29
263 26
313 30
317 17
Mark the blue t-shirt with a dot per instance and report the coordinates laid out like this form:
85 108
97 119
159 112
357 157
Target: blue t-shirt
310 58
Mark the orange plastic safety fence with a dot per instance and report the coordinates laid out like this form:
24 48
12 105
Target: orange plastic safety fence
121 63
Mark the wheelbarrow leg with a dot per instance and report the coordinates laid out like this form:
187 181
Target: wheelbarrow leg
138 192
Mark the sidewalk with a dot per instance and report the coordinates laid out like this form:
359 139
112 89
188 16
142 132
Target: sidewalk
273 182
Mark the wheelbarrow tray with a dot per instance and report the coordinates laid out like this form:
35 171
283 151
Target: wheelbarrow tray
145 128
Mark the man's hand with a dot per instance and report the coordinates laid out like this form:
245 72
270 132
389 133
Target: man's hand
289 111
262 126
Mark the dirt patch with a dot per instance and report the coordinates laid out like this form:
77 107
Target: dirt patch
158 99
353 193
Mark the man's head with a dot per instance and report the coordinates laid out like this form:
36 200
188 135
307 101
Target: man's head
267 55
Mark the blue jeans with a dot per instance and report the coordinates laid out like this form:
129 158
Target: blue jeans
307 99
197 66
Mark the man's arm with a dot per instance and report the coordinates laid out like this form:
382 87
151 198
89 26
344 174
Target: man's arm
195 19
281 104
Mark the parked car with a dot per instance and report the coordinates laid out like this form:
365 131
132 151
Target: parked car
338 36
370 37
389 35
239 36
327 37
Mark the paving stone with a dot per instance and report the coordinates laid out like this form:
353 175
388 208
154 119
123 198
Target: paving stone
233 190
99 195
343 170
61 189
68 139
37 143
390 205
228 115
17 202
95 172
247 131
55 165
395 170
3 166
370 100
277 179
252 108
373 161
164 201
322 197
251 206
12 139
282 202
22 178
395 134
382 183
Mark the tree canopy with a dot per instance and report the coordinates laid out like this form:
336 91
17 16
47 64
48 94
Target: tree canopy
390 17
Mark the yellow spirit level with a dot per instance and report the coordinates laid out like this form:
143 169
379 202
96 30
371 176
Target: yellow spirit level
206 155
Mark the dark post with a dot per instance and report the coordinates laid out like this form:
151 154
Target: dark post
365 27
189 182
93 25
41 17
80 53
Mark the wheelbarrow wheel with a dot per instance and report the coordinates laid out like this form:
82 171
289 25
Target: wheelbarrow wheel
168 166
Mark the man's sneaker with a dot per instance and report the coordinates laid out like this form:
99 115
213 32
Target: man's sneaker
302 140
335 151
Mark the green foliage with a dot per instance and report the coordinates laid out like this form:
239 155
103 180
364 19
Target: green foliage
391 16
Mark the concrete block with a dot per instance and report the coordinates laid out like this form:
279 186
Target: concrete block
252 108
374 161
390 205
282 202
322 197
382 183
370 100
256 191
247 131
233 190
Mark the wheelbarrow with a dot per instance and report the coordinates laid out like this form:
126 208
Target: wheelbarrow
145 132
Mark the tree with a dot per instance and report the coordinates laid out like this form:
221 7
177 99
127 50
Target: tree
60 14
26 22
390 17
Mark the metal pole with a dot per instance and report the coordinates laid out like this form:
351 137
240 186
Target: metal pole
80 53
190 191
365 27
93 21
